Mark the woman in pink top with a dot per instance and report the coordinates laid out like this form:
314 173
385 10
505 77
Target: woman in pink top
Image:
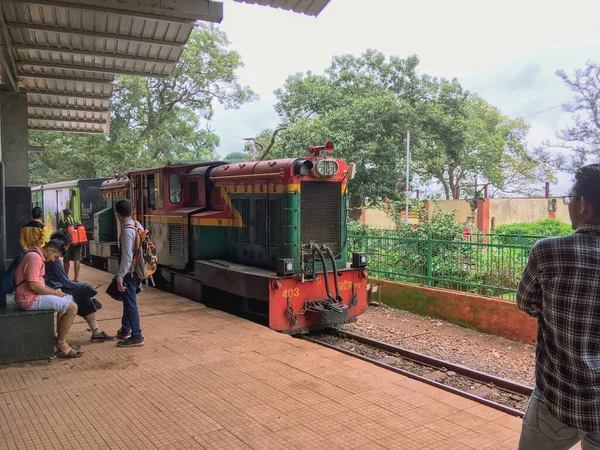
33 295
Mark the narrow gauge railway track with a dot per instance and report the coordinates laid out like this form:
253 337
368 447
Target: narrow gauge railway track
495 392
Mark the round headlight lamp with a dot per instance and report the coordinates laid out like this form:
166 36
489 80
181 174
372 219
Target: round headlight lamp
326 167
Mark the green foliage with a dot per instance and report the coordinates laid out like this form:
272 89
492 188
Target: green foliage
153 121
236 157
366 104
523 232
441 253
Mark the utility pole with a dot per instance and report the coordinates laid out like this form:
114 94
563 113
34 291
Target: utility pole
407 173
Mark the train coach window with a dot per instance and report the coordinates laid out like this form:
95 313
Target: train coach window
175 188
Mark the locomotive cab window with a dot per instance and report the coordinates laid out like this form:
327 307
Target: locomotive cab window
175 188
155 200
151 192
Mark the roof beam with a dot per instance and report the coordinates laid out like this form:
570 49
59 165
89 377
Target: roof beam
68 108
22 64
68 94
8 67
65 130
67 119
94 34
45 76
206 10
73 51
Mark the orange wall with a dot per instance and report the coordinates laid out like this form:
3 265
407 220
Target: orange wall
490 315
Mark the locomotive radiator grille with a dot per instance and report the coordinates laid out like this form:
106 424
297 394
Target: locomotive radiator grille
321 214
176 240
259 222
194 193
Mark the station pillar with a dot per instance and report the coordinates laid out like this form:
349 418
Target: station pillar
15 201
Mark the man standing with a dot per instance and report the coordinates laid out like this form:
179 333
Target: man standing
127 281
31 294
33 234
561 287
74 250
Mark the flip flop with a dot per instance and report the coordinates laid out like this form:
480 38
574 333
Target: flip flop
72 354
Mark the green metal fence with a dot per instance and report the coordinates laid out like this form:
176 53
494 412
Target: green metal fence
489 265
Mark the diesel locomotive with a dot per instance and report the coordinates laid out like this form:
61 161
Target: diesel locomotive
272 233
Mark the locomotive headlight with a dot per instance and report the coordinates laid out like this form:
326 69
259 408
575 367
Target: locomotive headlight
285 266
326 167
359 259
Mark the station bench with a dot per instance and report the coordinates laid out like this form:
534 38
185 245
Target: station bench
25 335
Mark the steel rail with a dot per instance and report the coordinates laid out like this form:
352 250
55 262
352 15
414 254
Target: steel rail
500 383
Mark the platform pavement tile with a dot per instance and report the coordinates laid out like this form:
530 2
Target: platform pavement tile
474 440
485 412
495 431
424 436
446 428
349 439
304 438
448 398
510 422
467 420
205 388
440 410
399 442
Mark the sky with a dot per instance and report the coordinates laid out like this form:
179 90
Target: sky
507 52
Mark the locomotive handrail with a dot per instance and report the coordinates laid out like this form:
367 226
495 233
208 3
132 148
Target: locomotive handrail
258 175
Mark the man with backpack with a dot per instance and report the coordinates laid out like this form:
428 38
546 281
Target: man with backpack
83 293
69 224
128 282
33 233
32 294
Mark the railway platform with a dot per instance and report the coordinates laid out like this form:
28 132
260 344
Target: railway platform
209 380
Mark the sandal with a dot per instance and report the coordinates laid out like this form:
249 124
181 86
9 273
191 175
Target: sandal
72 354
76 347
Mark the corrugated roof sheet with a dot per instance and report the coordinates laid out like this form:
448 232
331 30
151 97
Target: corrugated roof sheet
308 7
64 54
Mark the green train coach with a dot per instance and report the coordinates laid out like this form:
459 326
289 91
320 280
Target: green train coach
273 233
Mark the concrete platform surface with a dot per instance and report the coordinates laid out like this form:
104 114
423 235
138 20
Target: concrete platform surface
209 380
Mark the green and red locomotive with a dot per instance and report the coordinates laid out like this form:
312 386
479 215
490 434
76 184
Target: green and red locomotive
270 232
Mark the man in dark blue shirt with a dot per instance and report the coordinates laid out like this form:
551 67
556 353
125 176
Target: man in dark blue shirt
83 293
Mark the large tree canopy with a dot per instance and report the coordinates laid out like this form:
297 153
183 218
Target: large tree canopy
152 121
366 104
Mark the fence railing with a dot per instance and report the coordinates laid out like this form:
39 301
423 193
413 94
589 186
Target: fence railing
489 265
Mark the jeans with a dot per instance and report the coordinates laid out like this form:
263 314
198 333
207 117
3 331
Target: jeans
542 431
131 315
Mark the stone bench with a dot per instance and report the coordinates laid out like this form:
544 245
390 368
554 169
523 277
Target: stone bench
25 335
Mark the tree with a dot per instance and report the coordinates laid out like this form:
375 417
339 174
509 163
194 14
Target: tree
366 104
237 157
470 143
153 121
582 139
257 150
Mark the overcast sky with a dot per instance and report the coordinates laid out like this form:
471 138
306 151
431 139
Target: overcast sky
506 51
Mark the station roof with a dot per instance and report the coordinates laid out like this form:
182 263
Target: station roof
64 54
309 7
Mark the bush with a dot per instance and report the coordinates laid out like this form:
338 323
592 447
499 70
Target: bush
509 234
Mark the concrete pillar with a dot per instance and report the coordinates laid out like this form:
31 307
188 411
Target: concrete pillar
14 152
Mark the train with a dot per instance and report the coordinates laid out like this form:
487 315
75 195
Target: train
82 197
271 233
